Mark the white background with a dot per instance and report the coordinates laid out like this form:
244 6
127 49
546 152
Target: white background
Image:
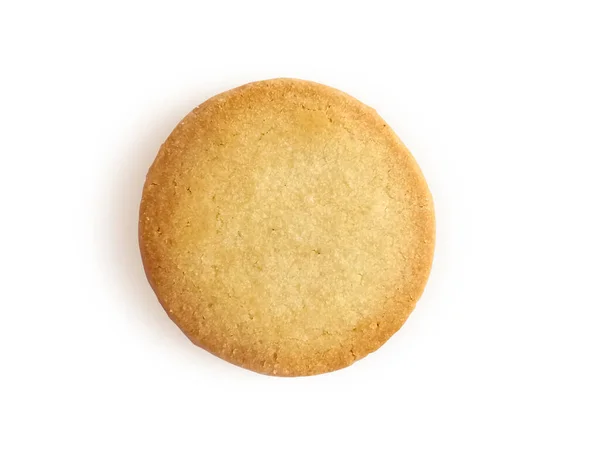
498 101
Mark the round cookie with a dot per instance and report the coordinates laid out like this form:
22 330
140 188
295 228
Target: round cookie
285 228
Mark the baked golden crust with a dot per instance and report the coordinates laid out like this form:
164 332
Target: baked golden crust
285 228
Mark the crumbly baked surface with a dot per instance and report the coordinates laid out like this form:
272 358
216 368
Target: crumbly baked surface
285 228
